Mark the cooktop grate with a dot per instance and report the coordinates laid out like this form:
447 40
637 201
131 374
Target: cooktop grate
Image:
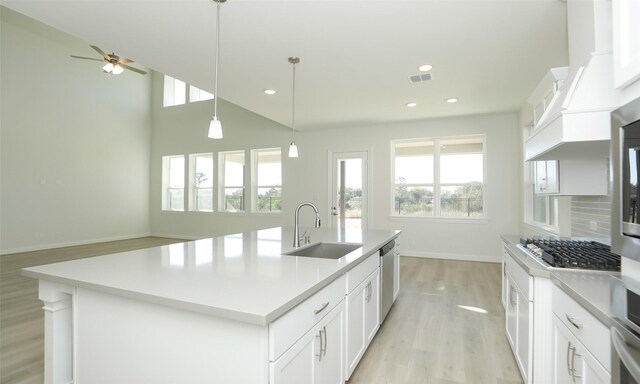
574 254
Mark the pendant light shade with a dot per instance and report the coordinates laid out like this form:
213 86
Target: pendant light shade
293 148
215 126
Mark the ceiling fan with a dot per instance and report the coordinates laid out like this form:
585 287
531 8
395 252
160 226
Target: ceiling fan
115 64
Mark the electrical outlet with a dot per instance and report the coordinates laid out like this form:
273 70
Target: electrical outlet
593 225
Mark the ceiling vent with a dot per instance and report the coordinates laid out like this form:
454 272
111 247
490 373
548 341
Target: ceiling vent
420 78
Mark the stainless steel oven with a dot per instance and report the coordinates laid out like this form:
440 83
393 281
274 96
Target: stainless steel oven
625 331
625 166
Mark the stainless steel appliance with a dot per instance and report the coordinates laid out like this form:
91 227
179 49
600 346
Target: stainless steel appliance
625 165
576 254
625 331
387 273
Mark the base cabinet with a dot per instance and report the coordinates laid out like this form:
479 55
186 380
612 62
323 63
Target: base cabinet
318 357
363 319
517 325
573 363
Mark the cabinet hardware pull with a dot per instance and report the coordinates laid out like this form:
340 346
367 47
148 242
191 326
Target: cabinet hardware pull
573 322
513 303
568 361
324 305
573 363
624 353
319 336
324 348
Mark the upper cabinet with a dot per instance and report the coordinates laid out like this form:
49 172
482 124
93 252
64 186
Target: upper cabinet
626 42
575 120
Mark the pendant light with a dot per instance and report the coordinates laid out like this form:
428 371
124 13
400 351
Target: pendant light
215 126
293 148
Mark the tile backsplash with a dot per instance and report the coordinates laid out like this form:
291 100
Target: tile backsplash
591 217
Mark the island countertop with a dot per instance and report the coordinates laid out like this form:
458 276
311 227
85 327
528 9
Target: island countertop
243 277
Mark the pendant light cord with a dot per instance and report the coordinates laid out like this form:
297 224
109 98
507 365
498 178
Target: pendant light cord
293 109
215 91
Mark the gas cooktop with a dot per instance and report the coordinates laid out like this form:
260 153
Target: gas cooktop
577 254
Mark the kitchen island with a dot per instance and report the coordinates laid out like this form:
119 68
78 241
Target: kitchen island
219 310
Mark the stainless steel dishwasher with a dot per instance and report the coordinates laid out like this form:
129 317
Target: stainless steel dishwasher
387 273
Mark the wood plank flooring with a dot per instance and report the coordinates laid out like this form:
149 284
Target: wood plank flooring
428 337
21 315
438 331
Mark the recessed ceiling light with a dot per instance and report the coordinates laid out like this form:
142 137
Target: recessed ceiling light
411 105
452 100
425 68
269 91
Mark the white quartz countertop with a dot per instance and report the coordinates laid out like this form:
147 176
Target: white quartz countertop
242 277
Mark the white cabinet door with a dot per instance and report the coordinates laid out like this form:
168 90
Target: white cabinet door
363 319
522 345
511 313
372 306
572 362
317 357
330 366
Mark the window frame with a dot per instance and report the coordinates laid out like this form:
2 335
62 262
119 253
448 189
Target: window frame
436 184
255 154
192 200
166 179
222 187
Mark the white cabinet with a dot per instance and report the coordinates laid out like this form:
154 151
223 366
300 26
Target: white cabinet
626 42
363 319
572 362
317 357
517 325
571 177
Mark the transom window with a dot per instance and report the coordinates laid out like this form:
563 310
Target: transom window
440 177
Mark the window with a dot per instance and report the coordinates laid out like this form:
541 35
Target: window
197 94
173 183
439 177
176 92
201 182
232 176
268 180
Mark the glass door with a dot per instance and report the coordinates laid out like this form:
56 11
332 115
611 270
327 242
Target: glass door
349 190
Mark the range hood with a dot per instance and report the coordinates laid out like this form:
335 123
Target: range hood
577 122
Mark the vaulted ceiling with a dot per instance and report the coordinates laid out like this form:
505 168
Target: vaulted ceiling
356 55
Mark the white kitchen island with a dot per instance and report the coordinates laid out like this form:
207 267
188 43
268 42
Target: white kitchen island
229 309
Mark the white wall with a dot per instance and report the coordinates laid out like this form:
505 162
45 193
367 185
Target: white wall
74 142
183 129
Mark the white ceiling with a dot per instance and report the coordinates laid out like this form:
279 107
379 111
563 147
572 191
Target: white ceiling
356 55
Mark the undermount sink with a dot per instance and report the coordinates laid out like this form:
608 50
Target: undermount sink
325 250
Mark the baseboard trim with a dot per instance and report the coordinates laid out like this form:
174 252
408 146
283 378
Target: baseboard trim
42 247
450 256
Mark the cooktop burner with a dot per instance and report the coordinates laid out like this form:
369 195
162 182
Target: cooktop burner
573 254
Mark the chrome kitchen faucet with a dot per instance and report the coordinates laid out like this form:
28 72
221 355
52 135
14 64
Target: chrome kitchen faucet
296 230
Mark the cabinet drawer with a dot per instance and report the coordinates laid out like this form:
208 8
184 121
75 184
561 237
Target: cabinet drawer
361 271
590 331
518 275
287 329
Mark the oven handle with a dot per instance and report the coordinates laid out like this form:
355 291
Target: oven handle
622 349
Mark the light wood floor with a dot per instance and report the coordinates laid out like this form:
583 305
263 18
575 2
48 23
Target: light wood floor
426 338
21 315
437 331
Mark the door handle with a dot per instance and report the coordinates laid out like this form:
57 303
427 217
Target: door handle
568 358
324 305
624 354
324 346
572 320
319 336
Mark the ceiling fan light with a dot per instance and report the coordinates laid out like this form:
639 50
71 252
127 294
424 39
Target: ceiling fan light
108 67
293 150
117 69
215 128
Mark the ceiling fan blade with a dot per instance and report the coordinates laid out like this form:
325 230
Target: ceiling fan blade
86 58
100 51
140 71
124 60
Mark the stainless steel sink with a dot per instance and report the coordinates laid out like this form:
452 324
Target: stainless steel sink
325 250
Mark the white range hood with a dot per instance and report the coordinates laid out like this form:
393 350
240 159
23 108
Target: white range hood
577 123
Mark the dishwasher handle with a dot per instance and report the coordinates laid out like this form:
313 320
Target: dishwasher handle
387 247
